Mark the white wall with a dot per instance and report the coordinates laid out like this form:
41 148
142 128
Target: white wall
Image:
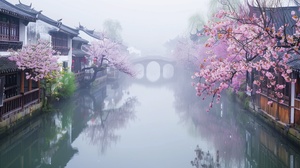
22 32
40 30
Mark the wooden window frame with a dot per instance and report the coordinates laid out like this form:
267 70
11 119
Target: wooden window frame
9 28
60 42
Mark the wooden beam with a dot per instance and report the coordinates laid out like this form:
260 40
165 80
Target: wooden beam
22 81
29 84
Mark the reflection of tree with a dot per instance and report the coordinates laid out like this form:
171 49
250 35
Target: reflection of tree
103 123
205 159
218 126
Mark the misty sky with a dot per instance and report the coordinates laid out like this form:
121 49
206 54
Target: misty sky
147 24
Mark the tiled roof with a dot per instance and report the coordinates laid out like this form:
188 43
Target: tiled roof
90 32
7 65
62 28
10 9
278 16
78 53
79 39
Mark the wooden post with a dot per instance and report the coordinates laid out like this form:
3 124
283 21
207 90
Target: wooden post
29 84
39 86
292 99
22 81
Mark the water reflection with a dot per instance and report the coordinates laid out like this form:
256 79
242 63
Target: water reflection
239 139
46 141
205 159
100 128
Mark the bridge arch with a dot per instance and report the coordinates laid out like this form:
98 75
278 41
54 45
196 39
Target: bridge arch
164 63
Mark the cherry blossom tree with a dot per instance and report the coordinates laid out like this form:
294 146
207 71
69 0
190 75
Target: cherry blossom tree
105 53
258 41
187 53
38 58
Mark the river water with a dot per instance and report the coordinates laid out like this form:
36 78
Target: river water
134 123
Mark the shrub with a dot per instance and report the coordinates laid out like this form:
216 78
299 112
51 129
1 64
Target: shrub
65 86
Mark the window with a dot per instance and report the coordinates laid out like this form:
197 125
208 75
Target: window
2 81
9 28
11 87
60 42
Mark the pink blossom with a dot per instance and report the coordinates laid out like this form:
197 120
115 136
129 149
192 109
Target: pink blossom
112 53
38 58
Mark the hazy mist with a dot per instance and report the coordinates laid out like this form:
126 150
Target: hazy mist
146 24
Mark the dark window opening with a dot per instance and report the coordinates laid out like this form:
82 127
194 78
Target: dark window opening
9 28
11 85
35 84
60 43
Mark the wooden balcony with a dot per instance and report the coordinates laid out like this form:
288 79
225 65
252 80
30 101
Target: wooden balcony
79 76
15 45
283 108
297 112
16 103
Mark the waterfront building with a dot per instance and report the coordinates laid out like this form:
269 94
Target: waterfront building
285 113
51 30
18 95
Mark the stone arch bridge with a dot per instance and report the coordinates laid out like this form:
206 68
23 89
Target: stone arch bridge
161 61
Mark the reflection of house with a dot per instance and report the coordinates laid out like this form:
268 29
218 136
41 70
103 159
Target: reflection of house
264 150
19 96
288 112
46 28
34 146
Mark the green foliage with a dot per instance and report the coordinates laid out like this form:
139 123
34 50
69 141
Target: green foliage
65 85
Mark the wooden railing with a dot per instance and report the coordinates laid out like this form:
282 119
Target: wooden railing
13 104
283 108
79 76
5 45
101 73
11 91
297 112
31 97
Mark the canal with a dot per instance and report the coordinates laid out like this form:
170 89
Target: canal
135 123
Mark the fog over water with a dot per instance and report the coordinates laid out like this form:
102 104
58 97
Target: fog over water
147 24
129 123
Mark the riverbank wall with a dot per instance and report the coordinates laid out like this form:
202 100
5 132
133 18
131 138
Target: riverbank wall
289 132
18 118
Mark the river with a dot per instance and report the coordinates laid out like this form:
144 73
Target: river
135 123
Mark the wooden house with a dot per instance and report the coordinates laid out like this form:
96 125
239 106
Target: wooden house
288 112
18 96
89 76
51 30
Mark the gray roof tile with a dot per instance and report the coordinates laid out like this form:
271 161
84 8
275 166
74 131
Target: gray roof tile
10 9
